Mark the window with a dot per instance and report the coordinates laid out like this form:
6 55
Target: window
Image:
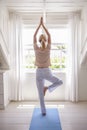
59 38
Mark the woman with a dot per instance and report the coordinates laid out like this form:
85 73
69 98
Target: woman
42 61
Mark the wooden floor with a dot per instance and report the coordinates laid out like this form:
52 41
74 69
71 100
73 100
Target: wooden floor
17 115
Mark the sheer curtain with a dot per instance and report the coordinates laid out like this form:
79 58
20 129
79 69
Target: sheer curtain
73 58
16 68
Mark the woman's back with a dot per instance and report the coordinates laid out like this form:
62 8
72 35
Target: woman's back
42 56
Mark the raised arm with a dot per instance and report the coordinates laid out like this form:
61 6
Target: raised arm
35 34
47 32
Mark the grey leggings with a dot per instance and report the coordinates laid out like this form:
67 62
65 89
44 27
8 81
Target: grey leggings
43 74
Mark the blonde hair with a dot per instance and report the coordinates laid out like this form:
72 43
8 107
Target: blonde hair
42 40
42 36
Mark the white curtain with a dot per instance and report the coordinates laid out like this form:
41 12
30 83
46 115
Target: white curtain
72 75
16 72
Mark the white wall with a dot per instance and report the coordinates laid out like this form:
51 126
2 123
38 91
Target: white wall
4 37
84 25
30 92
83 67
4 31
83 84
6 87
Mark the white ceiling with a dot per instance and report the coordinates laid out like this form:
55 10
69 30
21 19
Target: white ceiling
50 5
36 1
56 10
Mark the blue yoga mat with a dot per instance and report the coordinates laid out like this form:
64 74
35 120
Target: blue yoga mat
49 122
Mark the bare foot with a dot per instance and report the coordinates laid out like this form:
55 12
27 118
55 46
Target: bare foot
45 89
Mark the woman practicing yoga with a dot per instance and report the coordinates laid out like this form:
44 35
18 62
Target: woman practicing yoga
42 61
